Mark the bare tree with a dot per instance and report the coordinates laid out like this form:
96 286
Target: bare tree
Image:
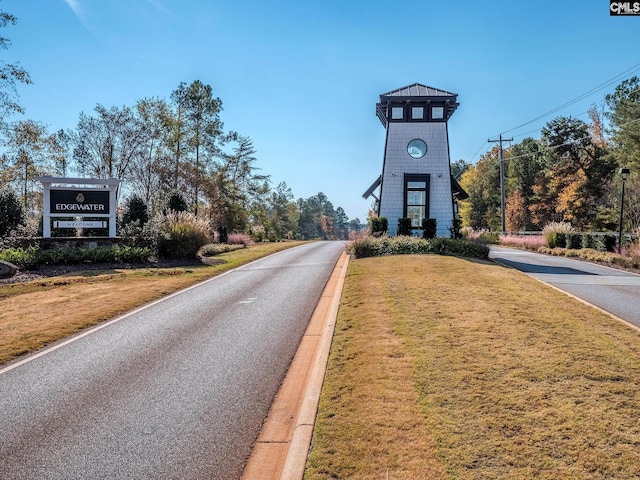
106 145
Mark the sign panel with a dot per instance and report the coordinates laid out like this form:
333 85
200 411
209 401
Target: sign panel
80 202
80 224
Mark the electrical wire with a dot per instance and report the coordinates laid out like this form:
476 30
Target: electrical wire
603 85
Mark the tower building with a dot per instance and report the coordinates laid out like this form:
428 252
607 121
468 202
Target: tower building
416 179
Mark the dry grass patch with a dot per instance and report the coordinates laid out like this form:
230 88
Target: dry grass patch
38 313
511 379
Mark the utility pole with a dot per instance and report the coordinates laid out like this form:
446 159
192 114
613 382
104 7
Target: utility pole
502 201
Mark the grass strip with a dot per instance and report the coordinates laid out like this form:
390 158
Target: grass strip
37 313
448 368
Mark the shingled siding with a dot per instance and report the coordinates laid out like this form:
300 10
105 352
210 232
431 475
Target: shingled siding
435 163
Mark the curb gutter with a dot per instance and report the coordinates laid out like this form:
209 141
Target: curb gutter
280 452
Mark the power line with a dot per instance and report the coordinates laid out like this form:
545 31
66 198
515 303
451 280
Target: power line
603 85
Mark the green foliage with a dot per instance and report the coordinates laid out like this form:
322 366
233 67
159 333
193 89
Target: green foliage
606 243
551 231
404 226
11 212
176 203
33 257
135 210
588 240
574 240
403 245
561 239
183 234
378 225
429 228
224 234
456 227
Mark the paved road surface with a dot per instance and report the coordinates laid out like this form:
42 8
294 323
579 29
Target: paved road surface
615 291
176 390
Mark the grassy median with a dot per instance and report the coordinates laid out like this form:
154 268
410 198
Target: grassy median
443 368
37 313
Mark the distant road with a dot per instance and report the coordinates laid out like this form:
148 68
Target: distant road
615 291
177 390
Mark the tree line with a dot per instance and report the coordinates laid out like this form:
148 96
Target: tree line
569 174
159 147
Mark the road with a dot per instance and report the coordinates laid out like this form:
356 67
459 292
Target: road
176 390
615 291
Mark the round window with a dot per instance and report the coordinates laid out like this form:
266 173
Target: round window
417 148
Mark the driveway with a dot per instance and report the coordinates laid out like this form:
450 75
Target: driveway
615 291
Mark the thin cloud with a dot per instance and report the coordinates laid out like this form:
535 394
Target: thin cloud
74 5
77 10
156 4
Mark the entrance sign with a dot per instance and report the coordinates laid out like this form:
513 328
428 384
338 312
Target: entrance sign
80 224
79 197
79 201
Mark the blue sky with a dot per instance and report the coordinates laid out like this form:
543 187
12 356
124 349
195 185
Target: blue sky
301 78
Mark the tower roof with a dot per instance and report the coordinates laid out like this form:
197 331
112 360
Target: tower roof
417 91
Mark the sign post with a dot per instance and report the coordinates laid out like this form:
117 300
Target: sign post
79 200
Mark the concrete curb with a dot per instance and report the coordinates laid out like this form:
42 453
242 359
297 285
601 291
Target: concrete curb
280 452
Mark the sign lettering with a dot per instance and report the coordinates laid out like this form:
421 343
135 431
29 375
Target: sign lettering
623 8
82 202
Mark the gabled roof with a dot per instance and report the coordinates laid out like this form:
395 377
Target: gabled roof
416 91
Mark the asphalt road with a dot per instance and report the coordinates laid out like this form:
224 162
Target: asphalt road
615 291
176 390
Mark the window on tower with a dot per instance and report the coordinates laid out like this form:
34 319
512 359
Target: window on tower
417 113
437 113
397 113
416 188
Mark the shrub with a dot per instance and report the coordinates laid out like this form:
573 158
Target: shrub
378 225
11 212
213 249
574 240
561 240
551 231
404 226
223 234
459 248
401 245
528 242
33 257
588 240
135 210
429 228
606 243
482 236
182 235
258 233
175 203
239 239
456 227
